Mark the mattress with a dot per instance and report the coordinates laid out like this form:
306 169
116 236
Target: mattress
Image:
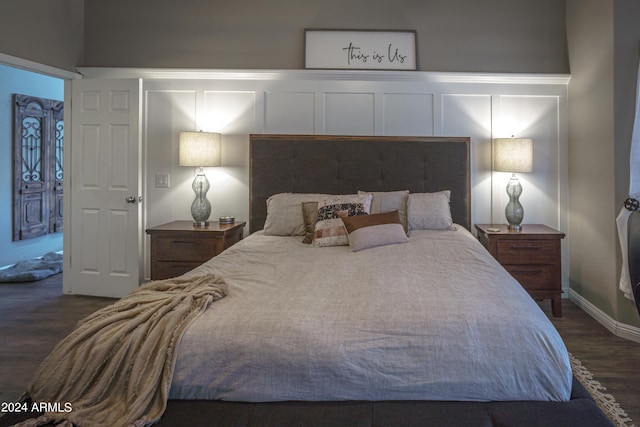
436 318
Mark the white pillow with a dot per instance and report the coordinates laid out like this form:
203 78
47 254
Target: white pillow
284 213
429 211
329 229
389 201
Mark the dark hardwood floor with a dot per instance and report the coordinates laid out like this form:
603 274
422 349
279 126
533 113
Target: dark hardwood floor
35 316
613 361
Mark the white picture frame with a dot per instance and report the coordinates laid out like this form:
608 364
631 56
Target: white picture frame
360 49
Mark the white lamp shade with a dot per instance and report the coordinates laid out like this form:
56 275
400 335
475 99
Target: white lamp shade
513 155
200 149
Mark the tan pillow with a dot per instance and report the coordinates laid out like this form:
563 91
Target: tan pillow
430 211
284 216
370 231
388 201
310 217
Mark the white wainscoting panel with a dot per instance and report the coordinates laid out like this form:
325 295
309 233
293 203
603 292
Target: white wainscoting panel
227 112
534 117
289 112
232 114
408 114
167 113
349 113
470 115
238 103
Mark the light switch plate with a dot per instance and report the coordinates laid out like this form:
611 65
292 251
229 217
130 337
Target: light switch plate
162 180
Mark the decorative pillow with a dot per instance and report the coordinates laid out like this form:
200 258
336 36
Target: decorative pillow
389 201
310 217
284 216
429 211
370 231
329 229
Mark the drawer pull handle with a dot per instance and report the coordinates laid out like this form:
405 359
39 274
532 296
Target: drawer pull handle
178 242
527 271
518 247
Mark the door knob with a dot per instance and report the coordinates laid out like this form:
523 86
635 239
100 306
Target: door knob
133 199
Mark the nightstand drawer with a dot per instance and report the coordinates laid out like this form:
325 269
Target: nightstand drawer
232 238
185 249
532 256
178 246
535 277
527 252
173 269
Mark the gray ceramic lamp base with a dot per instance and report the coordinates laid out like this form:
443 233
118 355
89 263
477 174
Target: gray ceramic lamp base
200 208
514 210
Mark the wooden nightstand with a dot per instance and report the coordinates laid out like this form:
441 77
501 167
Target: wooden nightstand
531 255
177 247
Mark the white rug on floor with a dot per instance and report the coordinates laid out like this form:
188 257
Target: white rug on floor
605 401
33 269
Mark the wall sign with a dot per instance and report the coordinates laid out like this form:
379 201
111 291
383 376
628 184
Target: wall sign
360 49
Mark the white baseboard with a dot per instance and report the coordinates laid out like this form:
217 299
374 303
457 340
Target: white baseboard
621 330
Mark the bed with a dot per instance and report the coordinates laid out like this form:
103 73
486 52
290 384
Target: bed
421 330
291 393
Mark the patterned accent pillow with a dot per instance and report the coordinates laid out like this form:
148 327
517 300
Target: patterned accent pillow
329 229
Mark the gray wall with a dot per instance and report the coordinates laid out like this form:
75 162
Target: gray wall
626 56
43 31
603 41
453 35
626 51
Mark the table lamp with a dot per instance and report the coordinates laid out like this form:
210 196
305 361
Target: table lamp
200 149
513 155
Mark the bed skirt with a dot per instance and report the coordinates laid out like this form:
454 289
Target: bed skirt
580 411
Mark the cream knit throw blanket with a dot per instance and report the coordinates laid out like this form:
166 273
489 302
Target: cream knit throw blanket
115 368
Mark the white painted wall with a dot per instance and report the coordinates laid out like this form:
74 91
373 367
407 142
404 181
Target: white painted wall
238 103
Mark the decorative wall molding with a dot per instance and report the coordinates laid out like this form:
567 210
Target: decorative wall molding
24 64
618 329
348 75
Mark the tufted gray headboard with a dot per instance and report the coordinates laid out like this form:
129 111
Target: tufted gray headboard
346 164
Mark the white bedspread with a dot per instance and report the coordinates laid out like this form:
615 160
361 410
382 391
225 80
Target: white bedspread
433 319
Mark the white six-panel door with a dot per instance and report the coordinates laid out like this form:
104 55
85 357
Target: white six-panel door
104 222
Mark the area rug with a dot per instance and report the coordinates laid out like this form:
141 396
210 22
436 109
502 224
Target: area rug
605 401
33 269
